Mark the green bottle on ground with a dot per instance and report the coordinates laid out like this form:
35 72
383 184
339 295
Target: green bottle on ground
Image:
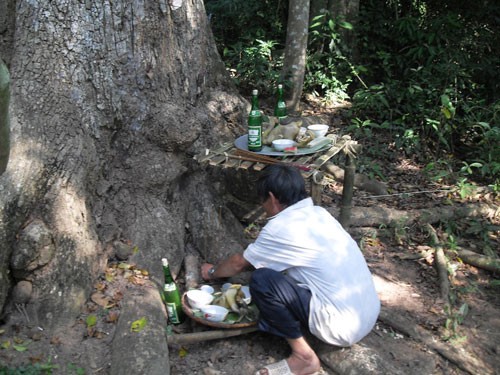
171 296
255 125
280 107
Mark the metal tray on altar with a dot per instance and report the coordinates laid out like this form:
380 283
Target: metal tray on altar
197 316
242 144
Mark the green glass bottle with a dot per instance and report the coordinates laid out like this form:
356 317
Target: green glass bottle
171 296
280 107
255 124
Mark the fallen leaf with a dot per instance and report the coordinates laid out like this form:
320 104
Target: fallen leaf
36 359
99 334
6 344
137 280
138 325
118 296
100 286
18 340
182 352
112 316
20 348
100 299
91 320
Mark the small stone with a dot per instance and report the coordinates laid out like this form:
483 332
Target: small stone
22 292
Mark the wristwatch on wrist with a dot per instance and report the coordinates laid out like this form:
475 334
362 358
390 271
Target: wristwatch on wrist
211 272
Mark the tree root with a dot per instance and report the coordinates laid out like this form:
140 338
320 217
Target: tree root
461 359
191 267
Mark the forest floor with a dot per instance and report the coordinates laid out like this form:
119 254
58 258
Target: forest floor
427 339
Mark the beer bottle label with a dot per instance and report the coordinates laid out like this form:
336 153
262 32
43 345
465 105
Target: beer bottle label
254 137
172 313
169 287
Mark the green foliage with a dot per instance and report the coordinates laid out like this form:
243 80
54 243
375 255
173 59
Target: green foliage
328 72
253 65
422 73
250 36
431 75
35 369
454 318
41 369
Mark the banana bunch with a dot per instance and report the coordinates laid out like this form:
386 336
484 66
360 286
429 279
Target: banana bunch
232 298
304 137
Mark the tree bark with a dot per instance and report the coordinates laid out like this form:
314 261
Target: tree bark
294 63
109 101
4 116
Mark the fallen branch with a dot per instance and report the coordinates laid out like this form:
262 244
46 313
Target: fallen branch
360 181
197 337
477 260
378 215
440 263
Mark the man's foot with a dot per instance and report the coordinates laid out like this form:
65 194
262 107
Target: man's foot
293 366
304 365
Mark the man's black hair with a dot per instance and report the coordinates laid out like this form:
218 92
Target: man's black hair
285 182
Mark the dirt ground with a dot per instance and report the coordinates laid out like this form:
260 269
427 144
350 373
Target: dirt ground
407 282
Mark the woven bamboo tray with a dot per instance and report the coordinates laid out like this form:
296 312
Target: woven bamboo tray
189 312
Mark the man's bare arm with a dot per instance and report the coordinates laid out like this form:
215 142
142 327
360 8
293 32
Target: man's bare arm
231 266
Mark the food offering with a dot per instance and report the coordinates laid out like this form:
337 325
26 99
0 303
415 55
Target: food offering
231 307
289 136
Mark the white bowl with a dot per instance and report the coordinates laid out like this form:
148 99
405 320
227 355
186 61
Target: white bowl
248 296
319 130
199 298
207 288
281 144
214 313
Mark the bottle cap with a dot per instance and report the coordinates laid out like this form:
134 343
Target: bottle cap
164 262
255 92
280 86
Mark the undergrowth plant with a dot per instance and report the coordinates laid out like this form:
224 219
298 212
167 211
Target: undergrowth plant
427 90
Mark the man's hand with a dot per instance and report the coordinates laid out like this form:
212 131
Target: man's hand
227 268
205 267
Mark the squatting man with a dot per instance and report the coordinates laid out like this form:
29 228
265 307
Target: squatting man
309 274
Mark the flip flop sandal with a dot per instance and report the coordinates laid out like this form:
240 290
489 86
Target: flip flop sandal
277 368
282 368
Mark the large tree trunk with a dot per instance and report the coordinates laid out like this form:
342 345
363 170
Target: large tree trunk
294 63
109 101
4 116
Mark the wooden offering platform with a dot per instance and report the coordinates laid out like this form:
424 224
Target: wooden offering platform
235 155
